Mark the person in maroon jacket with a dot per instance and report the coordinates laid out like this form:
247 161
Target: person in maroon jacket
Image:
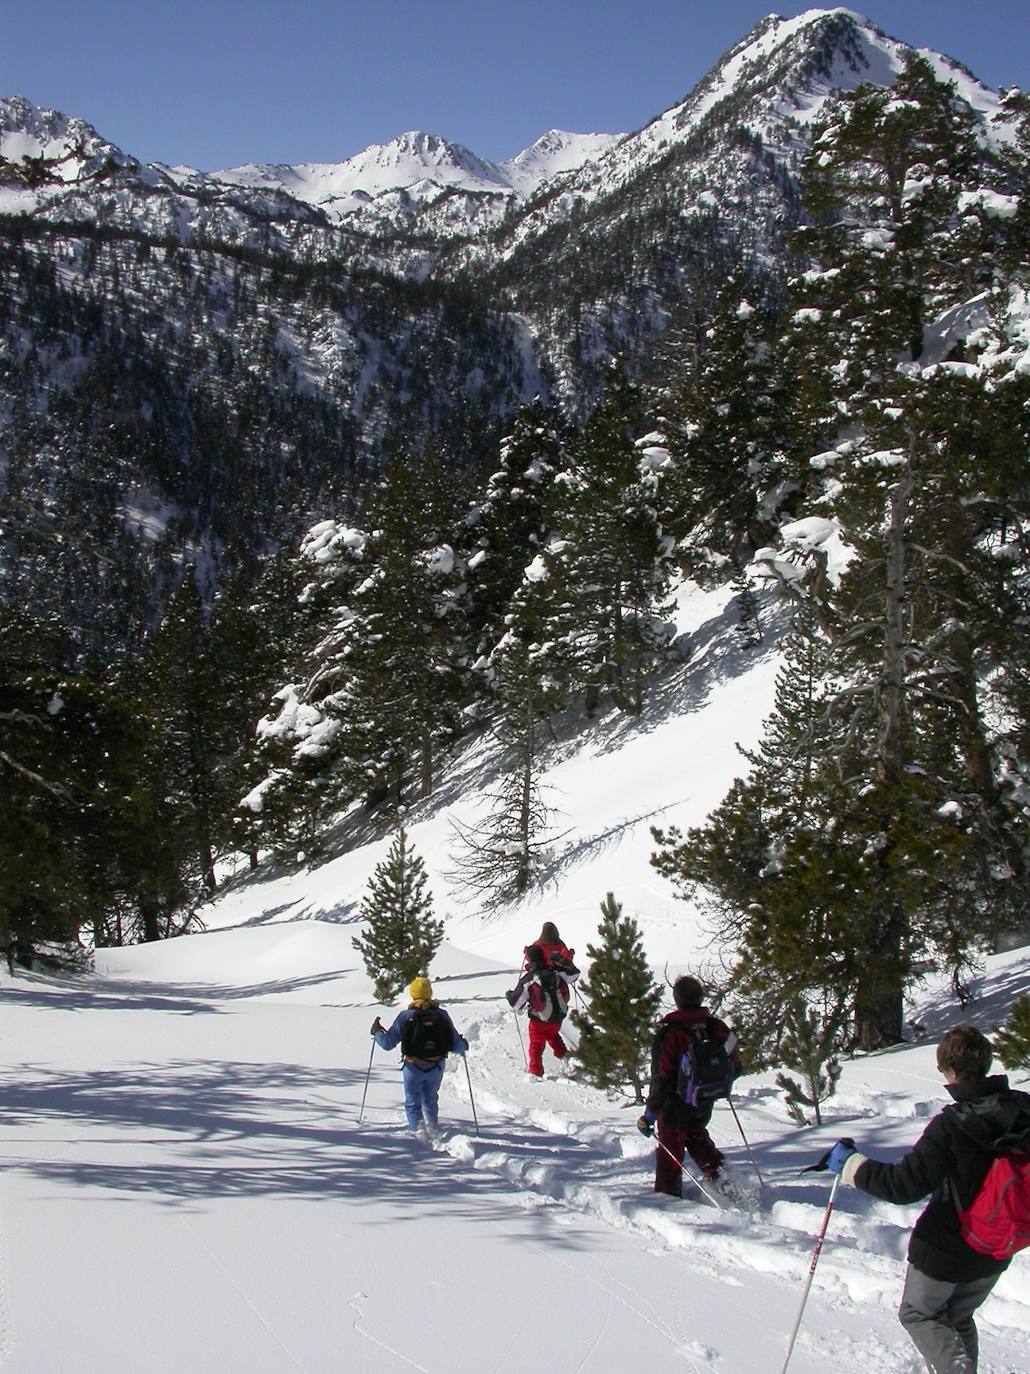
682 1128
947 1279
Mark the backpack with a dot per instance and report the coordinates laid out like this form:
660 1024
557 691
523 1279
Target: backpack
427 1034
997 1221
706 1070
548 996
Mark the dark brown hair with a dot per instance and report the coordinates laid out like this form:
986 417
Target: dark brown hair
687 992
965 1051
549 934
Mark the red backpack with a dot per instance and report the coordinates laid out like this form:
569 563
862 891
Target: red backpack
997 1221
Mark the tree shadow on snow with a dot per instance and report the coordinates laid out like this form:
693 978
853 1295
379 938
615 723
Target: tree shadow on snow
232 1129
182 999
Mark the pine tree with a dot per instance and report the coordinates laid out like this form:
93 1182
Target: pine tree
915 842
1012 1040
176 678
401 933
810 1046
621 1004
608 565
726 428
403 646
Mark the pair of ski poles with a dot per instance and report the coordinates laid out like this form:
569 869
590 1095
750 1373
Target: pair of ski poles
368 1075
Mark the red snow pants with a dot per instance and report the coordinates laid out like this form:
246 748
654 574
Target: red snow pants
543 1033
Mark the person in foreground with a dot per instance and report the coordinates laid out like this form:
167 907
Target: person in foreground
948 1277
681 1126
426 1035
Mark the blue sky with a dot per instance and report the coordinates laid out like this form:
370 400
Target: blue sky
215 83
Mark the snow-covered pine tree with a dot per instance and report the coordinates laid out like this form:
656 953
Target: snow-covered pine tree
507 526
401 934
810 1046
295 786
621 1002
773 866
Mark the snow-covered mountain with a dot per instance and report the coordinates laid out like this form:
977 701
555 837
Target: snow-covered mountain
57 146
421 167
414 286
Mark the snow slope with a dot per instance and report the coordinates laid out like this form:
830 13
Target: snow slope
194 1179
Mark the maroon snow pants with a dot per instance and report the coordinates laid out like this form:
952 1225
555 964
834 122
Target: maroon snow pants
692 1138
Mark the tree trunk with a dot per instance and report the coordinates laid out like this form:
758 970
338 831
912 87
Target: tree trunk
425 766
879 1000
890 758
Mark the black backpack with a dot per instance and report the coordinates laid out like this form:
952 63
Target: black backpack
706 1070
427 1034
548 998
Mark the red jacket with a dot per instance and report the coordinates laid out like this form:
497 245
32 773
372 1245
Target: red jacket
562 950
672 1040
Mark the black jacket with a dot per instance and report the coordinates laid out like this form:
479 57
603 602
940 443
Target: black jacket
949 1162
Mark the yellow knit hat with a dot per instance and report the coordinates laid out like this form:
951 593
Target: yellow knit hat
420 989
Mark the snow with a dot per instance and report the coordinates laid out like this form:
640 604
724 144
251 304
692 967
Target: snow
194 1178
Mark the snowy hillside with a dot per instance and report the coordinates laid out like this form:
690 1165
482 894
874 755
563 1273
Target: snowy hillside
187 1185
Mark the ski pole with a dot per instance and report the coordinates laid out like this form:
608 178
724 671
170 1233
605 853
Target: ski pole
472 1100
811 1270
522 1042
747 1144
368 1075
687 1174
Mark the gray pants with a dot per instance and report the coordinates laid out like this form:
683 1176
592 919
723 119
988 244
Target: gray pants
939 1318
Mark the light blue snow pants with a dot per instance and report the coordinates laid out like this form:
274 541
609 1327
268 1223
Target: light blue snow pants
422 1094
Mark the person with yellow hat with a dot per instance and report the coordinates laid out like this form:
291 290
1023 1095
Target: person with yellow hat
426 1035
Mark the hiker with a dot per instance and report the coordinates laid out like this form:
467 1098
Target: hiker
554 950
681 1126
543 990
947 1278
426 1035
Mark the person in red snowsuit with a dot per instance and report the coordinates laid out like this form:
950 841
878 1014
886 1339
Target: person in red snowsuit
543 990
682 1128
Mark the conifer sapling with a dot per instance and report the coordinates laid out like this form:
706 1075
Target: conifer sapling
621 1004
809 1047
401 934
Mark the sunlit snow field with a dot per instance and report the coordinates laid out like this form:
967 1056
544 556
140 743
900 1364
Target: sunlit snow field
186 1185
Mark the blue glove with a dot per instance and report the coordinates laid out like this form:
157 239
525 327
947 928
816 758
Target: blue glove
841 1152
462 1045
645 1123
